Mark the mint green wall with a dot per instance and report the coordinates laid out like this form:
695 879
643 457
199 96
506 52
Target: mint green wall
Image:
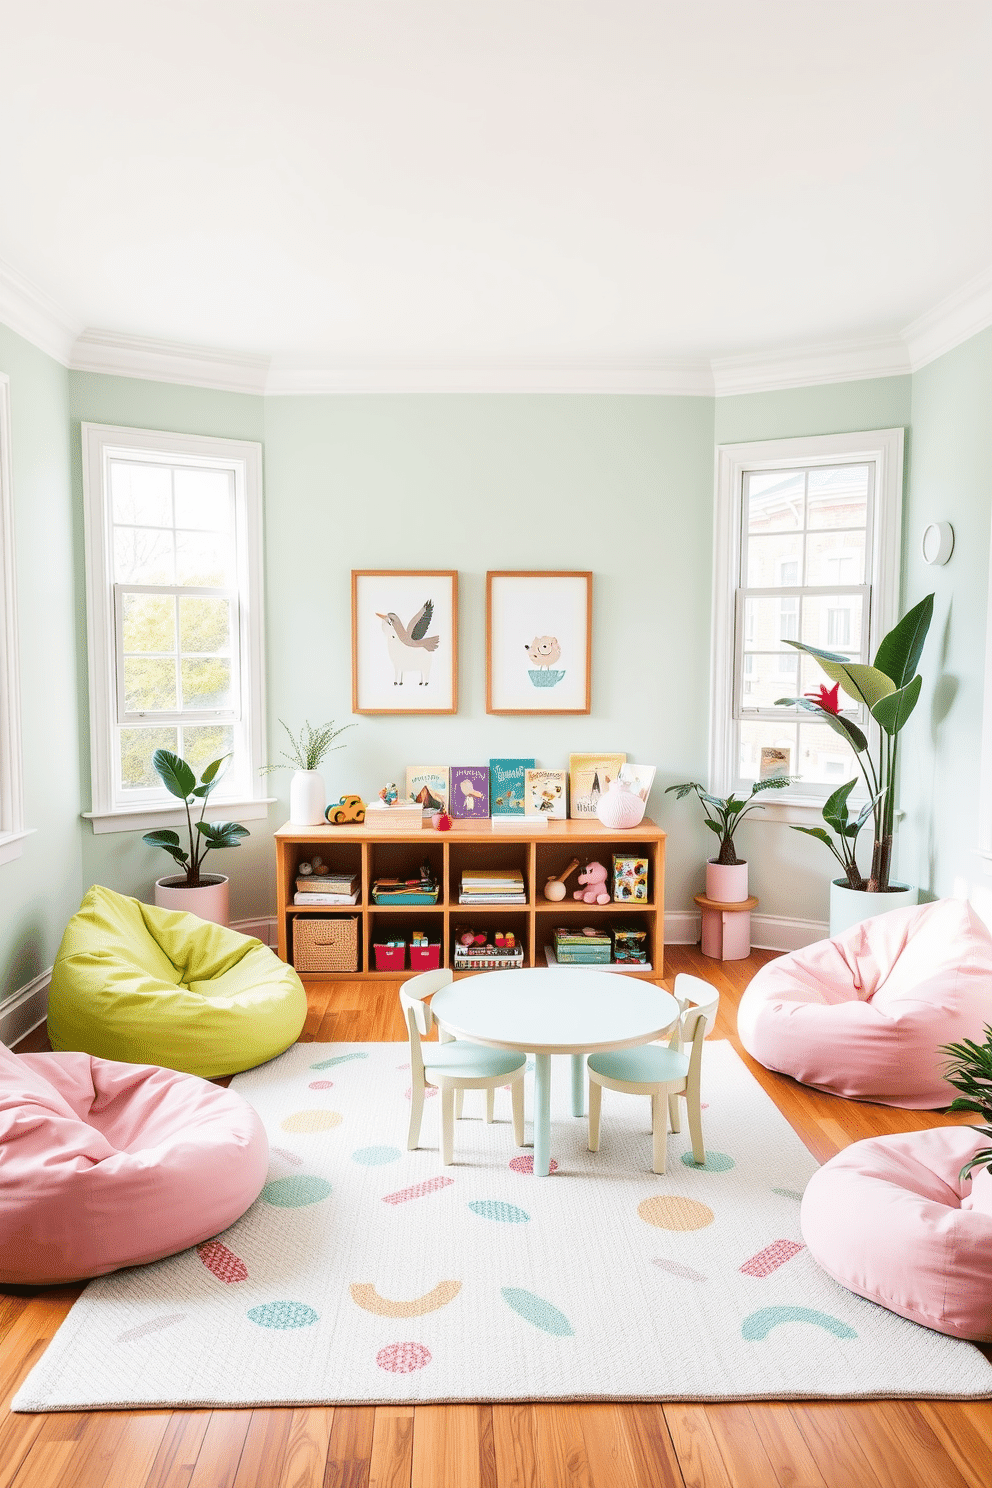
791 873
622 486
950 480
120 859
41 889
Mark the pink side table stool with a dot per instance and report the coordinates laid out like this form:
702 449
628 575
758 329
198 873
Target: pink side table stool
726 927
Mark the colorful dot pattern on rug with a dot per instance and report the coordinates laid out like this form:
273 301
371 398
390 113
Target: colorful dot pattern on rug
283 1315
367 1273
296 1192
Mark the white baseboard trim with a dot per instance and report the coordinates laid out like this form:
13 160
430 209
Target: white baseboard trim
768 932
779 933
682 926
264 929
23 1010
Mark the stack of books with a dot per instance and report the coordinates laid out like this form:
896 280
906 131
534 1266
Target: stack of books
492 886
329 888
421 890
583 947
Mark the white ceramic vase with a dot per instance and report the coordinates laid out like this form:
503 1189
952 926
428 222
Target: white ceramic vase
620 807
853 906
307 799
726 882
211 901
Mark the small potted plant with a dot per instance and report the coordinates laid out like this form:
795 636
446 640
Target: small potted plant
970 1071
307 794
205 895
726 874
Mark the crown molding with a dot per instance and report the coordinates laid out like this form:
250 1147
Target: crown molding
29 312
672 379
117 355
955 319
837 361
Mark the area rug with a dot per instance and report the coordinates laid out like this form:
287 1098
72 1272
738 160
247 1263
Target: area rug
366 1274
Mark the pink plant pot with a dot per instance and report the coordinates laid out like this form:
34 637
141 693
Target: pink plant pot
211 901
726 884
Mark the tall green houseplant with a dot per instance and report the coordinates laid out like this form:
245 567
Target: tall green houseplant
889 690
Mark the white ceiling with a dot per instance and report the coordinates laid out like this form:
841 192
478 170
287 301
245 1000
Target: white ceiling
611 185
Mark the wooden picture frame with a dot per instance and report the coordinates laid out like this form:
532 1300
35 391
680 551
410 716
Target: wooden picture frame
538 641
394 669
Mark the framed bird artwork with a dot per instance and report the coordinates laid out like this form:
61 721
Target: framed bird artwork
538 642
404 641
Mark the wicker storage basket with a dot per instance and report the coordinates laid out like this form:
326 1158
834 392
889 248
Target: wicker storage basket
325 943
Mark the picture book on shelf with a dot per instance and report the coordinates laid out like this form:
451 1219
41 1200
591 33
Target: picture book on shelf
588 777
506 786
469 798
544 794
640 778
428 785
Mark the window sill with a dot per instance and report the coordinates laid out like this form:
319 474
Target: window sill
12 844
807 810
147 818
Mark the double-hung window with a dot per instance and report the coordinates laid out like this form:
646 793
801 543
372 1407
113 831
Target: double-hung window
174 592
806 549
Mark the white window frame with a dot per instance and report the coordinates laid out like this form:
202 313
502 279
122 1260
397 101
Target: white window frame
101 443
12 828
883 448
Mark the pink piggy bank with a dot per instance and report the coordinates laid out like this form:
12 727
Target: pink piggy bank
593 876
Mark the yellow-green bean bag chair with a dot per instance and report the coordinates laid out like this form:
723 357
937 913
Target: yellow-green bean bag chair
154 986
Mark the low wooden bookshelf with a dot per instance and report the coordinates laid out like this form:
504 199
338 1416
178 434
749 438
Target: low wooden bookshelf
539 853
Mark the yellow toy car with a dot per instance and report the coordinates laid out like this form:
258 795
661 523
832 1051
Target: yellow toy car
348 809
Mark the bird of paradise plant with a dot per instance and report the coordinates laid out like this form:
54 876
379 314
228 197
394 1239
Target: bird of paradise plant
890 690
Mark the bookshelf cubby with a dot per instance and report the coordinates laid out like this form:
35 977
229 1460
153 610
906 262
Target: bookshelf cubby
539 853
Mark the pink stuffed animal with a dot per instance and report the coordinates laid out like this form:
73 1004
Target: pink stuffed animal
594 878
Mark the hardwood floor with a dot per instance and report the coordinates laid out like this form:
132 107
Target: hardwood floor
857 1444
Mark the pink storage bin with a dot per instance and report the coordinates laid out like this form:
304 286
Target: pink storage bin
425 958
389 958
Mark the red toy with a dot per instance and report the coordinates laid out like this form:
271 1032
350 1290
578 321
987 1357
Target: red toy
442 821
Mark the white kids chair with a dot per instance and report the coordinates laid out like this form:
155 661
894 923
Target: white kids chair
663 1073
453 1066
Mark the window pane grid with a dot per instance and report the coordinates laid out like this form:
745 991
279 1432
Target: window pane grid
804 570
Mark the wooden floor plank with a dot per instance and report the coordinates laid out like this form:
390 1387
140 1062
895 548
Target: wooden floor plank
700 1459
306 1451
349 1447
263 1458
856 1444
391 1460
449 1447
178 1450
220 1452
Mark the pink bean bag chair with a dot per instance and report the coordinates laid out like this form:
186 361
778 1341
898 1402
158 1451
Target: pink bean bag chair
865 1015
105 1165
890 1219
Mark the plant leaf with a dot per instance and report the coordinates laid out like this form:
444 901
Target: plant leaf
890 713
713 826
846 727
162 837
835 810
899 653
683 790
864 683
820 833
222 834
175 773
209 776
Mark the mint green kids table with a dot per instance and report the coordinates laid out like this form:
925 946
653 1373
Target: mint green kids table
545 1011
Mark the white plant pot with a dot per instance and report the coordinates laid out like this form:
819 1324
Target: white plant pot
307 799
211 901
727 883
853 906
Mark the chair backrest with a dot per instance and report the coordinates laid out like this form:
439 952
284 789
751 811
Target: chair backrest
416 1012
698 1000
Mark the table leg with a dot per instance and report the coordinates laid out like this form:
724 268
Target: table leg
542 1115
578 1084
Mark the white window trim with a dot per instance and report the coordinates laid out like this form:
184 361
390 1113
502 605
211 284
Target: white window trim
12 828
99 443
885 447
